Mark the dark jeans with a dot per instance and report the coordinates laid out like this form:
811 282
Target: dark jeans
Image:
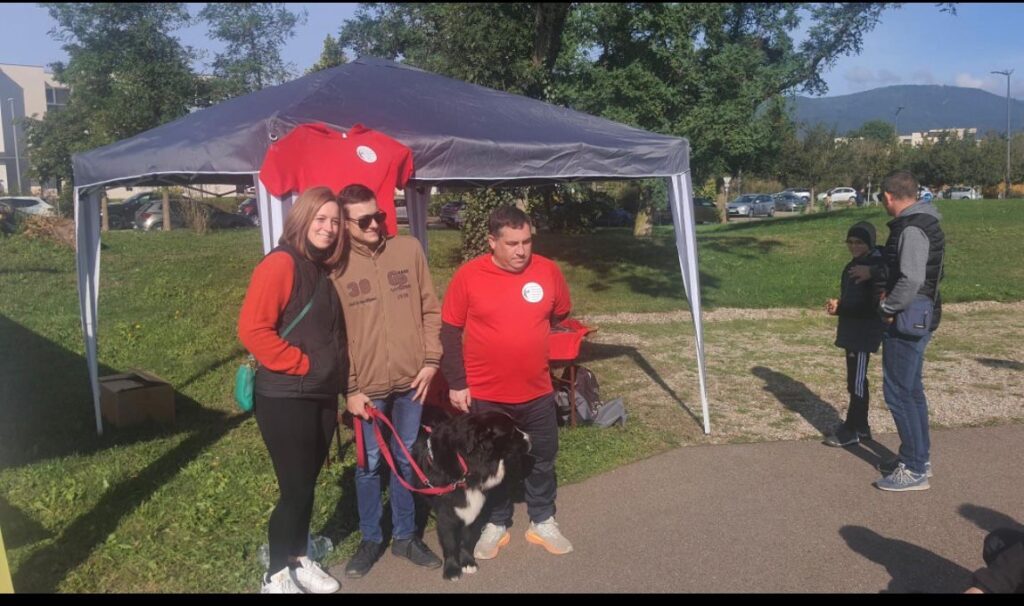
297 433
902 367
857 385
405 414
537 419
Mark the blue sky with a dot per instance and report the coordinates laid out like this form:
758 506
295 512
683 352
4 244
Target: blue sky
916 44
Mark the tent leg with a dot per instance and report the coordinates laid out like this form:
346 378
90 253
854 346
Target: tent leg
417 202
87 258
681 202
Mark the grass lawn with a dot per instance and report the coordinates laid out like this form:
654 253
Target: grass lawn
184 508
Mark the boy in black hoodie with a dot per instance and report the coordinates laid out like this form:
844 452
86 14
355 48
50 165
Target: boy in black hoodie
859 332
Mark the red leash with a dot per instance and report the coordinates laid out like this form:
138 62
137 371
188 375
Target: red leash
377 417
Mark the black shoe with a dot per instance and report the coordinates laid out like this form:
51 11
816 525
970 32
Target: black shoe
846 437
365 557
416 551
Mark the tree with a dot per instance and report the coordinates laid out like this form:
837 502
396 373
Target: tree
332 55
126 73
254 33
877 130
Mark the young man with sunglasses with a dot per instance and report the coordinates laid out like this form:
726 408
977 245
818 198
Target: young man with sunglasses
393 320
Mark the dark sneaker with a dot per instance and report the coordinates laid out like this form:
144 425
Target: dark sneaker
902 480
416 551
365 557
846 437
887 467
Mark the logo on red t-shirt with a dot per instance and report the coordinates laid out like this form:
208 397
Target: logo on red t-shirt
366 154
533 292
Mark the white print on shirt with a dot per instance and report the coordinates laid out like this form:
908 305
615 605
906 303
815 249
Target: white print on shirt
533 292
366 154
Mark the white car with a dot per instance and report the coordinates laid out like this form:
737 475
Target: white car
839 194
964 193
28 205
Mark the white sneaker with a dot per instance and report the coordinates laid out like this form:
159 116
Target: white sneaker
281 582
313 578
547 535
492 538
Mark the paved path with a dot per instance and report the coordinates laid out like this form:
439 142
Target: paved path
767 517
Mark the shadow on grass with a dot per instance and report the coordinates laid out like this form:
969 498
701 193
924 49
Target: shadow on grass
43 571
913 569
19 528
797 397
995 363
604 351
46 407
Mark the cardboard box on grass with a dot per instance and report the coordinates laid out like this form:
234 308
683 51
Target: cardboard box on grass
135 396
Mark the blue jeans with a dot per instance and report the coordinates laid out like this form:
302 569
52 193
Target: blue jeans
405 416
902 364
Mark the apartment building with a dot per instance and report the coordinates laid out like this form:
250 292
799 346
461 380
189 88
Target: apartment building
25 91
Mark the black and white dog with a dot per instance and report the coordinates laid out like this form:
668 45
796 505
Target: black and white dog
491 446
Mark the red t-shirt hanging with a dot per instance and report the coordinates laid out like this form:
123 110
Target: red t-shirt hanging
507 320
316 154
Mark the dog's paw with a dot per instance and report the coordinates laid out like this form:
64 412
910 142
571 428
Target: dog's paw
469 569
452 571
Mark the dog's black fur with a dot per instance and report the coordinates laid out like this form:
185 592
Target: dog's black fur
493 449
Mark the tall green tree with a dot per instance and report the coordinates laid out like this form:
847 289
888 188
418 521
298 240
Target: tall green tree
253 33
332 55
878 130
126 73
704 71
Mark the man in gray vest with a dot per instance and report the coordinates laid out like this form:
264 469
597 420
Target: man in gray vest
913 268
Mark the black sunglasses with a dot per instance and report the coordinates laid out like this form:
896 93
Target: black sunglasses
365 221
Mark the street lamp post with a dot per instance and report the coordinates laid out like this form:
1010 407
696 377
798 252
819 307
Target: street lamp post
1006 188
898 110
14 136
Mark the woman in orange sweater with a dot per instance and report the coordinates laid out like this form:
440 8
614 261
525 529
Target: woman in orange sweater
299 377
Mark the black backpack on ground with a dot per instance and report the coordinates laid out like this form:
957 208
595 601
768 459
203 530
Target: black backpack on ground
589 407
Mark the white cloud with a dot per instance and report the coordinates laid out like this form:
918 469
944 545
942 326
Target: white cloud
922 76
859 75
887 77
969 81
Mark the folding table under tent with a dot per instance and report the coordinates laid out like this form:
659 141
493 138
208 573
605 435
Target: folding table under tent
459 133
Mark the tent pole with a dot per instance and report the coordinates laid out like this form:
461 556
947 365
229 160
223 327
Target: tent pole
87 259
681 202
417 201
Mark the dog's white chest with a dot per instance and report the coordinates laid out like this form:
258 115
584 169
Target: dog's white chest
475 496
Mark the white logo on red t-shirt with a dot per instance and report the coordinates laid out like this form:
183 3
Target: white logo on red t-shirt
533 292
366 154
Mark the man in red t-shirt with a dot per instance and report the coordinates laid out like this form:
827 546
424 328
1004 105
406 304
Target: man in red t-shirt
496 317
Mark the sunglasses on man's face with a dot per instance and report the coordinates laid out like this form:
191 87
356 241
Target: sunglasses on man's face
365 221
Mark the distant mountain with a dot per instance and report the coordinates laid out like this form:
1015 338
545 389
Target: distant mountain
924 107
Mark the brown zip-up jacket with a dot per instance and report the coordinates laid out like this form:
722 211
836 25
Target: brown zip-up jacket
392 316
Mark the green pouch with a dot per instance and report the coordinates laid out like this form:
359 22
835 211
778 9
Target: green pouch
245 383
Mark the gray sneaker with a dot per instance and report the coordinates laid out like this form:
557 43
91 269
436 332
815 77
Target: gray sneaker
887 467
902 480
492 538
547 535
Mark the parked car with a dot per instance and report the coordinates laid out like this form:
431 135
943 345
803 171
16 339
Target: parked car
704 210
789 201
803 194
453 213
249 209
152 217
122 214
401 211
839 194
28 205
751 205
964 193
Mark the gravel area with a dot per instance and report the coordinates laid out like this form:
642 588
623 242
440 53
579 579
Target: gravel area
781 378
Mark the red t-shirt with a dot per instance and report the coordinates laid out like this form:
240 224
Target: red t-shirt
506 319
316 154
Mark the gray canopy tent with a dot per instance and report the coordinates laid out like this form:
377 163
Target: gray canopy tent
459 133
